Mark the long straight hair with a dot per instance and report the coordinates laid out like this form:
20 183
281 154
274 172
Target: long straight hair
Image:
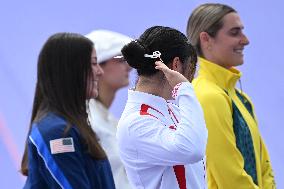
63 70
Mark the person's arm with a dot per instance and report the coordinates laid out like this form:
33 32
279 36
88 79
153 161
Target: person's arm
163 146
268 180
63 158
160 145
225 164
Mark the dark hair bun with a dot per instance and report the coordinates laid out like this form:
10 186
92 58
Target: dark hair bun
134 53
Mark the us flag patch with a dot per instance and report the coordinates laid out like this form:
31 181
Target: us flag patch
62 145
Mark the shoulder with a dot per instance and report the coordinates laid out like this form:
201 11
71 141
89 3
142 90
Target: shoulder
136 118
215 98
53 126
204 86
136 123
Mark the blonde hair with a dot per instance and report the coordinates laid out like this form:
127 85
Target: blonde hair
206 18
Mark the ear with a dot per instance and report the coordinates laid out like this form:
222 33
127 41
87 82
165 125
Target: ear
204 37
205 41
177 65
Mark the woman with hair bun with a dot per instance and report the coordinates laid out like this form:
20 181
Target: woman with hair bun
162 144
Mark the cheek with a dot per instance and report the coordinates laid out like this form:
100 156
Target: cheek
115 72
229 46
91 88
94 75
222 52
93 91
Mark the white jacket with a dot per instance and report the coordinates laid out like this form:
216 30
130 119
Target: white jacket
104 124
154 136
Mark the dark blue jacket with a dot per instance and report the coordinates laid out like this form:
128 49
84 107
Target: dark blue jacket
67 165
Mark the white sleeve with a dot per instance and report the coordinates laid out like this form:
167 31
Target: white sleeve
160 145
191 133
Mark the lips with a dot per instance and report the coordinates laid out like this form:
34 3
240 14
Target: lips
239 51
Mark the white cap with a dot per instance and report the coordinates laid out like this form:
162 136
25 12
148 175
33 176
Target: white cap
108 44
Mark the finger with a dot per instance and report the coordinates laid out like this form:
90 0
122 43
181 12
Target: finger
159 63
161 66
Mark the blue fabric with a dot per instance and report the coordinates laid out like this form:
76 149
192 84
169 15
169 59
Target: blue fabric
44 152
72 169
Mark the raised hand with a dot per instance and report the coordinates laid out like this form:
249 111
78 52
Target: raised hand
172 76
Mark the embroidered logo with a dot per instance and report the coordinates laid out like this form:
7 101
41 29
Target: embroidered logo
62 145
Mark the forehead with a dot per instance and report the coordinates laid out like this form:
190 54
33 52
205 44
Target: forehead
115 60
232 20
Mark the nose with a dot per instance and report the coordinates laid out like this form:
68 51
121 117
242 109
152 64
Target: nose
99 70
244 40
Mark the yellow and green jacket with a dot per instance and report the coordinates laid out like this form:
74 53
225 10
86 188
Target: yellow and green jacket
236 154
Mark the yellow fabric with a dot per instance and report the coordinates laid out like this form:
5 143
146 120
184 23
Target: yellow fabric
225 164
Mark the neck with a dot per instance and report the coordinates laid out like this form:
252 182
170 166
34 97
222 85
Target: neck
106 95
154 85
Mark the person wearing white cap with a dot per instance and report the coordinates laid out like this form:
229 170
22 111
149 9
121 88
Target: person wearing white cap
108 45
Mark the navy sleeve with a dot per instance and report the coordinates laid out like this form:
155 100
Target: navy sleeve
35 178
64 167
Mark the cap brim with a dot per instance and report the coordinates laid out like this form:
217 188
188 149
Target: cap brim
119 56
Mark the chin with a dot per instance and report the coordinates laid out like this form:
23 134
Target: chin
123 84
126 83
237 62
240 63
94 94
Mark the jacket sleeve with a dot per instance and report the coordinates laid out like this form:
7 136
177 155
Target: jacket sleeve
103 126
268 180
267 172
224 161
65 166
161 145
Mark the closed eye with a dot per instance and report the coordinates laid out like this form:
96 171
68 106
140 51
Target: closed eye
235 31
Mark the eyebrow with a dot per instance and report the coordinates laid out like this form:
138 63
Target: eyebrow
237 28
95 58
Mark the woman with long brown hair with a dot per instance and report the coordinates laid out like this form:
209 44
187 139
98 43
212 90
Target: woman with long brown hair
62 150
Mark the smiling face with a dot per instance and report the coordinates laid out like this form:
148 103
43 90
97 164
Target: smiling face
97 72
226 48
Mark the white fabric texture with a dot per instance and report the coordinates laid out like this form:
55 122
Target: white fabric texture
108 44
152 142
104 124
